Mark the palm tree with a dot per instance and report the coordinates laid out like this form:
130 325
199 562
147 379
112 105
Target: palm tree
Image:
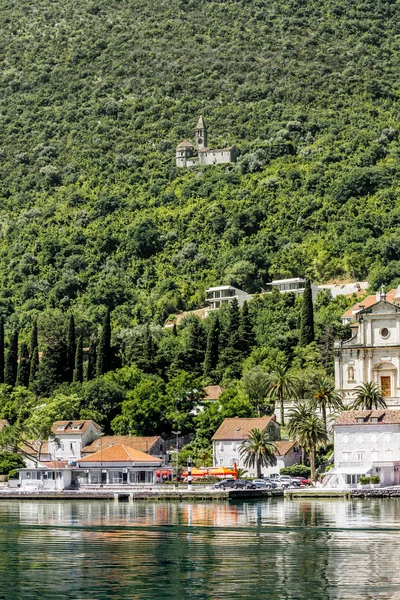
325 396
258 450
369 396
313 434
256 385
297 415
282 385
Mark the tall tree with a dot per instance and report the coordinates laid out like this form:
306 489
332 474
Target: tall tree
34 343
369 396
1 350
307 317
104 347
297 415
258 450
282 386
78 370
11 366
313 434
23 365
212 350
71 348
231 354
324 395
34 354
246 331
92 360
195 346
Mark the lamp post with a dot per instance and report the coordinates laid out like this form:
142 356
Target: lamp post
190 472
101 460
177 456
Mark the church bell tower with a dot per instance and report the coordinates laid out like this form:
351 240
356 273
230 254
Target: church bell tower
201 134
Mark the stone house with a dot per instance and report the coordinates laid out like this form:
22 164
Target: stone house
366 442
233 432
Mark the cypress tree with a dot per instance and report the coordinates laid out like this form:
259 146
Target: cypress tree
92 361
246 332
71 349
1 350
78 370
23 366
195 346
174 330
212 350
34 348
230 356
104 349
11 366
307 317
33 368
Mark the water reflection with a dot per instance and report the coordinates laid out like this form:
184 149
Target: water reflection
291 549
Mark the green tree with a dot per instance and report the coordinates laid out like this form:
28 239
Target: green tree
230 355
71 349
324 395
258 450
256 385
369 396
307 317
212 350
312 433
296 417
23 366
11 366
104 346
1 350
282 386
92 359
246 331
78 369
143 411
34 354
195 346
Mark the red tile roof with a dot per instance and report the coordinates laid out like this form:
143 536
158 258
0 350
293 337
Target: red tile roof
367 302
385 417
238 428
120 453
284 446
185 144
67 427
213 392
55 464
143 444
33 448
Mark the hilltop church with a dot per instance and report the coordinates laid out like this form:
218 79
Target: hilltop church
188 156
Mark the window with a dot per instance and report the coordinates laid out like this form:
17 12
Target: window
71 446
384 332
360 420
360 455
221 461
352 479
374 419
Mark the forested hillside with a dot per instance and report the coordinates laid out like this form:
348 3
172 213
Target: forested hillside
95 95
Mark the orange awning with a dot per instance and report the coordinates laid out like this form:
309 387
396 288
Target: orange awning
196 473
221 471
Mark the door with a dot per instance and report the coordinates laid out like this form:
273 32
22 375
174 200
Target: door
385 385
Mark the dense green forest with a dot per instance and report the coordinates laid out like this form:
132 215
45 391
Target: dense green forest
94 98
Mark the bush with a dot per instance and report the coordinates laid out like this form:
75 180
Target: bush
375 479
296 471
14 474
365 480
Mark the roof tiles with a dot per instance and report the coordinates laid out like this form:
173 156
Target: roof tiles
239 429
119 453
385 417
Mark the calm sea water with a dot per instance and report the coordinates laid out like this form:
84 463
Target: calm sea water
283 549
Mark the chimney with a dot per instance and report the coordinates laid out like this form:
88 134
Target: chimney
383 293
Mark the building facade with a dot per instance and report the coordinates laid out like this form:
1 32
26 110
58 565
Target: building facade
373 351
233 432
366 442
188 155
224 294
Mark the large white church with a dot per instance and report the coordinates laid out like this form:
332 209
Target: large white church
373 351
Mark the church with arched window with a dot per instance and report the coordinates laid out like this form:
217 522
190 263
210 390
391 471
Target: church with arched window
373 351
188 155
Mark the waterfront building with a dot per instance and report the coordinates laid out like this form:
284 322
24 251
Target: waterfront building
373 351
233 432
154 445
115 466
366 442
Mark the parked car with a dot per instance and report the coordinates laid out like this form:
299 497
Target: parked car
264 484
284 481
305 481
297 481
234 484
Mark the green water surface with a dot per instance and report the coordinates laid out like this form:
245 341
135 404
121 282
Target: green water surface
289 549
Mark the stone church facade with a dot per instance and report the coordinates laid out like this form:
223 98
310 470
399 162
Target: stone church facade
373 351
187 155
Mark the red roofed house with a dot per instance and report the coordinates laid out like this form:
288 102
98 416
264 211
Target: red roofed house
373 351
232 432
116 466
366 442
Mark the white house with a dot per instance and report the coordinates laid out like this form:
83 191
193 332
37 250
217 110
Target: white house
366 442
295 285
373 351
224 294
70 437
115 466
233 432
